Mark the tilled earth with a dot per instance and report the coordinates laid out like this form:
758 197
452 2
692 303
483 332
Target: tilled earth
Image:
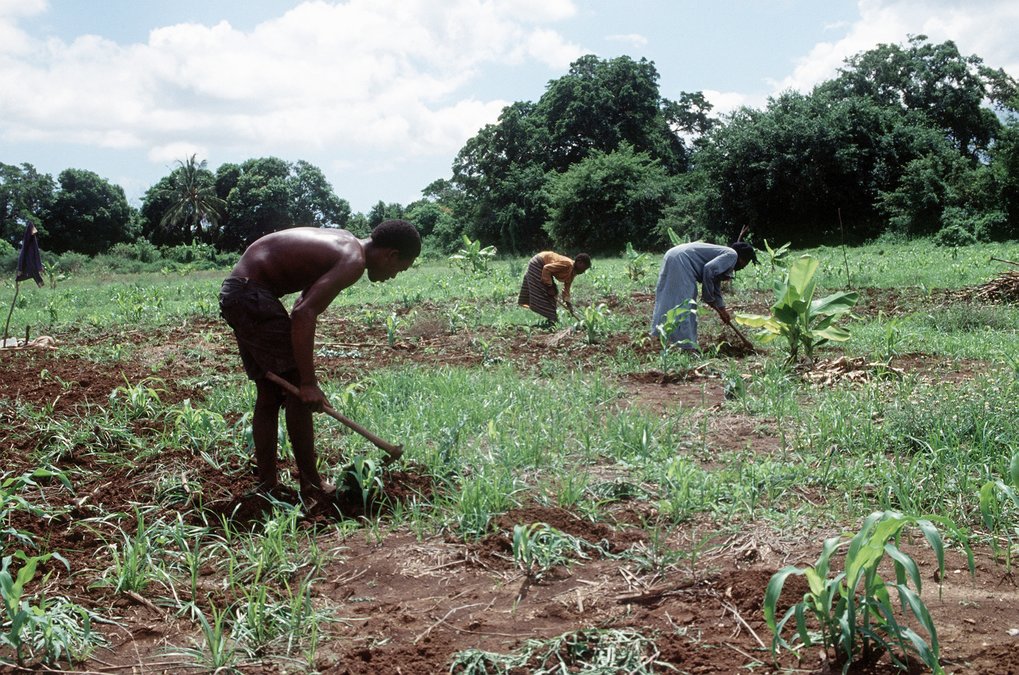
408 603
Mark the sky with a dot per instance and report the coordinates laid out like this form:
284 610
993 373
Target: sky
382 94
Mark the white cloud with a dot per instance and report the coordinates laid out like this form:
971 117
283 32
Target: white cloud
725 102
982 27
343 76
171 153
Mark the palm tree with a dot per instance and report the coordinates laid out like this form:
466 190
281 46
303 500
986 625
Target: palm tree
195 208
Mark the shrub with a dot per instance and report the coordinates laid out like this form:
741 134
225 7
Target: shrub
954 235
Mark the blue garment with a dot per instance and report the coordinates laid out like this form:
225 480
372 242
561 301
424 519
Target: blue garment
682 269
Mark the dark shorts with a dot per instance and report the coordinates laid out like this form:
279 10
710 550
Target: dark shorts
261 325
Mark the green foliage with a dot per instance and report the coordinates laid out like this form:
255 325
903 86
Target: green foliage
594 320
38 627
776 257
608 199
672 319
12 499
796 316
990 506
367 476
472 258
954 235
637 264
539 547
853 610
88 215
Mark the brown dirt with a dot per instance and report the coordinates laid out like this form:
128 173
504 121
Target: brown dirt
409 604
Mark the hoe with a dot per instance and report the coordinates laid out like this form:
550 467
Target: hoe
394 451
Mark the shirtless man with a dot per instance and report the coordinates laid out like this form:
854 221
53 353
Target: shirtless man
319 263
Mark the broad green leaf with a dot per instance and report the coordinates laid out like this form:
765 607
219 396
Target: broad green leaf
836 303
1013 473
833 333
801 272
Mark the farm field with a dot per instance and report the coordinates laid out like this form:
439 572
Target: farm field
576 500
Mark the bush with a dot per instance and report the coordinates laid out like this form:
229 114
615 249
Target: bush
8 258
954 235
71 262
141 250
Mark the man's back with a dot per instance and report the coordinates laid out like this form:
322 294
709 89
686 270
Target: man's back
292 260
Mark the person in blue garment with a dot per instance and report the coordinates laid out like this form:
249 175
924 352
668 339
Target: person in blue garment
682 269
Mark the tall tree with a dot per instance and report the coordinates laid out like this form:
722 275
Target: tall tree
313 201
25 197
934 80
504 171
600 104
184 206
89 214
268 194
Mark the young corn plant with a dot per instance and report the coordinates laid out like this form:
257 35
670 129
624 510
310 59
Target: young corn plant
134 566
637 264
671 321
594 320
11 500
367 475
392 321
797 317
776 257
852 611
990 506
138 401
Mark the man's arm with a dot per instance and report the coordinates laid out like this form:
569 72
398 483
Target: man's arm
304 319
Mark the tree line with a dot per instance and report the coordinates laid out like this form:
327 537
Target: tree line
905 140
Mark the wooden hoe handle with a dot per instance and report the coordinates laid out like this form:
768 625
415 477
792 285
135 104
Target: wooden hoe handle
394 451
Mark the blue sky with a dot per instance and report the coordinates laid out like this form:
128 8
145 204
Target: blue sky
381 94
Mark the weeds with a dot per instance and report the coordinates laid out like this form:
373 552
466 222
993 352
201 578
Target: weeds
539 547
593 650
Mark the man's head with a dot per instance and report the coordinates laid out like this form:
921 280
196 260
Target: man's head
581 263
394 246
745 254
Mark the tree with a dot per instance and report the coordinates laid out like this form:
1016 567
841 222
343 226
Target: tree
608 199
934 80
504 172
439 229
600 104
382 212
184 207
89 214
789 169
313 201
25 197
269 194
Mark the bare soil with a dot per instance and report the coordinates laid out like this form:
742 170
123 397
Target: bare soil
409 604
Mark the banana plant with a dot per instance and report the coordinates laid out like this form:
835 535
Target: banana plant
796 316
472 258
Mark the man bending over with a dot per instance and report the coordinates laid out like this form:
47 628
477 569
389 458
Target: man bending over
319 263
